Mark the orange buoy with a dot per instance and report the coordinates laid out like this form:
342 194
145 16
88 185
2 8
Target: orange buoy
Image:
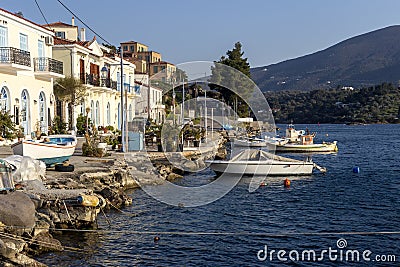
263 184
156 239
286 183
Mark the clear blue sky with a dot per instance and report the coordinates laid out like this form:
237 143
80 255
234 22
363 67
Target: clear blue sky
189 30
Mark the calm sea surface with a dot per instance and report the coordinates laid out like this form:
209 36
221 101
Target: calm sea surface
340 202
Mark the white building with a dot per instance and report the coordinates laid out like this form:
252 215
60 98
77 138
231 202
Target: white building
100 71
27 72
157 109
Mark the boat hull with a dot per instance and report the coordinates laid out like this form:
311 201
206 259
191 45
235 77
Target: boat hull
264 168
50 153
245 143
327 147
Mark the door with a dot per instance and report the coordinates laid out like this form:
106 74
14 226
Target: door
82 74
3 44
25 114
41 60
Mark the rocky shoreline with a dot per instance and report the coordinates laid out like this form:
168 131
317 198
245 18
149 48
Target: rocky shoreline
73 200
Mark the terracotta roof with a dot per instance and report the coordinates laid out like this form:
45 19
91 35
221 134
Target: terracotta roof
161 62
59 24
60 41
6 11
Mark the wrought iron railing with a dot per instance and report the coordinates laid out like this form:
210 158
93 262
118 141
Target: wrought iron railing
48 64
15 55
93 79
108 83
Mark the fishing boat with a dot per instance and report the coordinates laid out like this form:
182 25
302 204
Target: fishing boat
52 149
300 141
259 162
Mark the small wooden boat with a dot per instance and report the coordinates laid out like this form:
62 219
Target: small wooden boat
258 162
52 150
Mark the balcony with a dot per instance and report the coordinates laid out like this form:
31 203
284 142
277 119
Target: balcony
14 59
108 83
92 79
48 68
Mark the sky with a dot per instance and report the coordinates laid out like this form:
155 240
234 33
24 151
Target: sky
270 31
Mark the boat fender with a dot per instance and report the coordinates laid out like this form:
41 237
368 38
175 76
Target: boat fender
286 182
102 201
88 201
356 169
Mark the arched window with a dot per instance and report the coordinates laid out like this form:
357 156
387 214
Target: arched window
108 114
83 108
42 112
4 99
92 111
97 113
25 112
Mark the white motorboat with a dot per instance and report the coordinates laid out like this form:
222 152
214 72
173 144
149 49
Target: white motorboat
52 150
250 142
258 162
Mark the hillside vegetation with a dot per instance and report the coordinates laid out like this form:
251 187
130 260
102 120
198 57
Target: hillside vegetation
376 104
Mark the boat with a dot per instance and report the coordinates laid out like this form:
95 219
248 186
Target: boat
259 162
300 141
51 150
250 142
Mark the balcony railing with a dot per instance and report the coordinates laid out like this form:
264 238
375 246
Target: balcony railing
93 79
108 83
48 65
15 55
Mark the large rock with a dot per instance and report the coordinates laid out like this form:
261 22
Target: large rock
17 209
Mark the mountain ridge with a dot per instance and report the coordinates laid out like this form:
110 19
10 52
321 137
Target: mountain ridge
363 60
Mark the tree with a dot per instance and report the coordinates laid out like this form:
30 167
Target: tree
7 126
71 91
231 80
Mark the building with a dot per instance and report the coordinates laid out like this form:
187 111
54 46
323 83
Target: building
163 69
100 71
27 72
157 109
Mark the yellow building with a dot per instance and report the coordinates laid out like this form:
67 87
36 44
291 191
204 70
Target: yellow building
100 71
132 48
164 69
64 31
27 72
149 56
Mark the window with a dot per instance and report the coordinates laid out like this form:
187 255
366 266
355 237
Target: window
41 62
155 69
42 112
3 36
118 81
108 114
4 99
23 41
60 35
132 48
125 47
25 115
92 111
97 113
